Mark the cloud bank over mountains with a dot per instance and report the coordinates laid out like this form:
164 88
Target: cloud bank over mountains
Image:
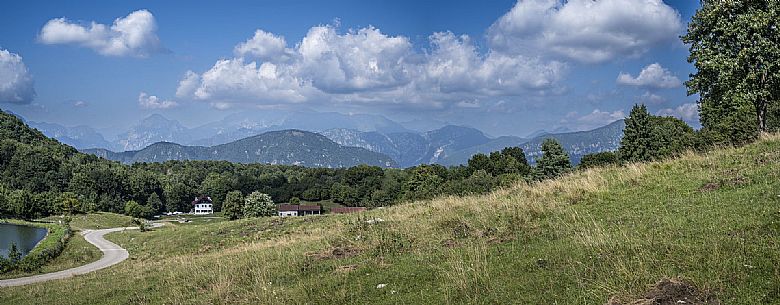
529 51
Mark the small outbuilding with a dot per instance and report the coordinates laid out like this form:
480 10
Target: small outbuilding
298 210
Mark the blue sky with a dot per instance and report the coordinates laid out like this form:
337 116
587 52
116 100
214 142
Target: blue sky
524 66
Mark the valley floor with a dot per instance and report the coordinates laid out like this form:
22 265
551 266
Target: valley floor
712 220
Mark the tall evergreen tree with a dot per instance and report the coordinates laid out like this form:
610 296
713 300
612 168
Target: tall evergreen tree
636 145
735 47
554 161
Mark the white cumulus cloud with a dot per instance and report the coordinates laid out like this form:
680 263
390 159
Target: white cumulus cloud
264 46
365 59
236 81
188 84
147 101
454 65
16 83
652 98
687 112
366 66
653 76
585 30
132 35
596 119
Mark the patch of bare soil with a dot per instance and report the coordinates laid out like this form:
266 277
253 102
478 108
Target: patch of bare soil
712 186
671 292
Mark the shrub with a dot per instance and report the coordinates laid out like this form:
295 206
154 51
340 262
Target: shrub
598 159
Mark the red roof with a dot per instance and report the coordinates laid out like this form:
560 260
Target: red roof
309 208
295 207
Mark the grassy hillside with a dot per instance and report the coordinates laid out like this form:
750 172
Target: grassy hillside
713 220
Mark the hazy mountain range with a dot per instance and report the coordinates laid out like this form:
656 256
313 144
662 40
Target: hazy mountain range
290 147
156 128
245 137
453 145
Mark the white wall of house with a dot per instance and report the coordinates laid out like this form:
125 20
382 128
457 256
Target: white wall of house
203 208
288 213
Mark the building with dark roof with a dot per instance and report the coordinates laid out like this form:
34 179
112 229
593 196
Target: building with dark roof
202 205
298 210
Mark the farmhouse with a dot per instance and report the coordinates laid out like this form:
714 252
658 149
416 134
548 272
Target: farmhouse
202 205
298 210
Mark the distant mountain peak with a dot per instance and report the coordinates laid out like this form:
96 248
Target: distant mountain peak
290 147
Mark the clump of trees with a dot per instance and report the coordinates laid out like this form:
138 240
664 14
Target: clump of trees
648 137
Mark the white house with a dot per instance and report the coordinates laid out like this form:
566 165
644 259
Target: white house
202 205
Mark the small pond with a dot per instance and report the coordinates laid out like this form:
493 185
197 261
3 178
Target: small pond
25 238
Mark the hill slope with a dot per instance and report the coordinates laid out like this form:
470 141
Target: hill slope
290 147
583 239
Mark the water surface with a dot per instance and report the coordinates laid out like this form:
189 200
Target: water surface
25 238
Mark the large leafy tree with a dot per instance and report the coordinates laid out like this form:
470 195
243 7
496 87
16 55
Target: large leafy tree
423 183
154 203
217 186
670 137
233 206
258 204
735 47
554 161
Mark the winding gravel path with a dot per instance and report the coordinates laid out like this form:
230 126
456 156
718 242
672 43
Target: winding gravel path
112 254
